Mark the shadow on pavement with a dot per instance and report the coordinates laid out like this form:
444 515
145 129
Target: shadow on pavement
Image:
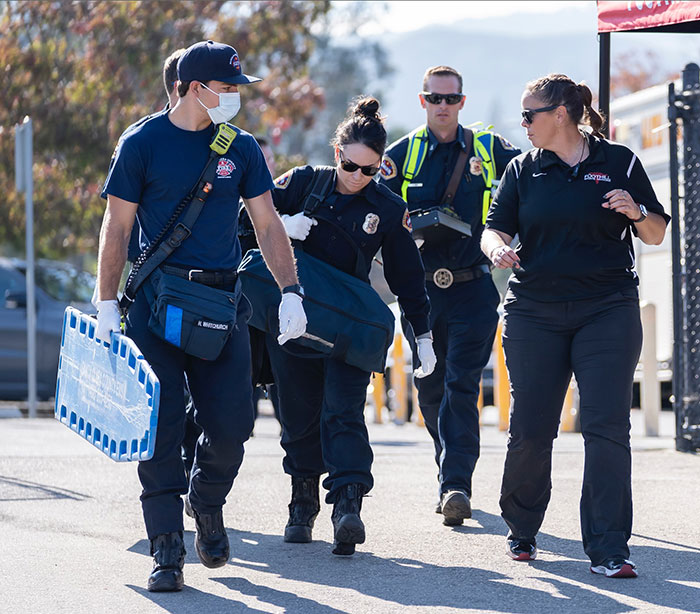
13 489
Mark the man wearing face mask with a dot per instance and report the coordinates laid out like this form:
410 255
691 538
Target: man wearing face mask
155 166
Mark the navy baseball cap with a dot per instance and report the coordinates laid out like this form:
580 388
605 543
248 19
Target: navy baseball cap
210 61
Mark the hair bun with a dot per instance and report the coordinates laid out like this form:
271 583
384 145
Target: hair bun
367 107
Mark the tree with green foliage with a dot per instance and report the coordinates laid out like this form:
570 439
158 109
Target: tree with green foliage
85 70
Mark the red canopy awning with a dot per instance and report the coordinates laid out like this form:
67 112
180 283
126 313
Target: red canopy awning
660 16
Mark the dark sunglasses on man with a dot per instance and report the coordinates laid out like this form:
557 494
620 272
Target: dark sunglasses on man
529 114
351 167
438 98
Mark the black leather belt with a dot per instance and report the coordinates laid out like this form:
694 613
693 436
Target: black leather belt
444 278
208 278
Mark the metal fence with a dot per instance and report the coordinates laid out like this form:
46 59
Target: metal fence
684 107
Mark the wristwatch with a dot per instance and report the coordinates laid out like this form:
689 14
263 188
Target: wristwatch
643 213
294 289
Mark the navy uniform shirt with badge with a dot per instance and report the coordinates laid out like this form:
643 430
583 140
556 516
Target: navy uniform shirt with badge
427 188
571 247
157 164
375 218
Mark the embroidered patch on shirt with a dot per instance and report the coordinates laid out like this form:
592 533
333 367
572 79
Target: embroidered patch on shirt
388 168
406 222
371 223
283 180
224 168
475 165
597 177
506 144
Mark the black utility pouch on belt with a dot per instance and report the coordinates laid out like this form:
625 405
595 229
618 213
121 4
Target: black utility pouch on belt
191 316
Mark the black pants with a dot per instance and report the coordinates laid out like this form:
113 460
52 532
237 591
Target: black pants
600 341
321 406
222 395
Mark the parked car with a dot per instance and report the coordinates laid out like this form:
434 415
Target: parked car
58 285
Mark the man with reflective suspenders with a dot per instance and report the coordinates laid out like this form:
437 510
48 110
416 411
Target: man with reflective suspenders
423 167
155 168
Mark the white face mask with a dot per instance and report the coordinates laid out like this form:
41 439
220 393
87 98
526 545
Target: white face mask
228 107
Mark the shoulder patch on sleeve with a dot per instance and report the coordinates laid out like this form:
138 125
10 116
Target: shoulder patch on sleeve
282 181
406 221
506 144
388 168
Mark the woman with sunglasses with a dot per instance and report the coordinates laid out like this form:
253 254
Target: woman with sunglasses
322 400
572 306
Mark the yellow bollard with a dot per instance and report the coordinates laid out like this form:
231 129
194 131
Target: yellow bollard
501 386
378 396
399 381
568 411
480 400
420 421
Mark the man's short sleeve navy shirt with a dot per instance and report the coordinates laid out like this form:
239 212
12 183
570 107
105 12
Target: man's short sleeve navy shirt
571 247
157 164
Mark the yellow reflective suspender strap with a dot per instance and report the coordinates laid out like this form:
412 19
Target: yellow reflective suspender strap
415 154
483 147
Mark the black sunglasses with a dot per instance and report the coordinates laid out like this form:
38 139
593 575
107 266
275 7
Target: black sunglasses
351 167
438 98
529 114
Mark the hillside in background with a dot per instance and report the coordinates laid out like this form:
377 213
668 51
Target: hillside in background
497 56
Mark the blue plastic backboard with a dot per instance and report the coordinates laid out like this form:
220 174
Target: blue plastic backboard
106 393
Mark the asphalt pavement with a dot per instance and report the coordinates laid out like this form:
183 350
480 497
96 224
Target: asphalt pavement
73 539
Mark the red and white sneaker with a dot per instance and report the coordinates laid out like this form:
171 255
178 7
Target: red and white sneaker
522 549
616 568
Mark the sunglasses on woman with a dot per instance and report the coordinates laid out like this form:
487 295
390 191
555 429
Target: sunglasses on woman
351 167
438 98
529 114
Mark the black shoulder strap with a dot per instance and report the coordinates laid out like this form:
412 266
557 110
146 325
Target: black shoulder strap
319 188
159 249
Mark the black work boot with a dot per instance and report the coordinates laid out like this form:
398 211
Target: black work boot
303 509
348 529
168 552
211 541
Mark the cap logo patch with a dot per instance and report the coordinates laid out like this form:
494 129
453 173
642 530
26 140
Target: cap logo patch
235 62
371 223
597 177
388 168
224 168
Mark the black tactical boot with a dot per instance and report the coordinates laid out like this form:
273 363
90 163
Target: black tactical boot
303 509
211 542
168 552
348 529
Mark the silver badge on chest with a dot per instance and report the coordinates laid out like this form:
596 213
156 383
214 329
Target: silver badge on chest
371 223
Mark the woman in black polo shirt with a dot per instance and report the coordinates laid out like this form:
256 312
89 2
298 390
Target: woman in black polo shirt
572 306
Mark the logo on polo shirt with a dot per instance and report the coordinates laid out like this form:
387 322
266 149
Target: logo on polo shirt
597 177
224 168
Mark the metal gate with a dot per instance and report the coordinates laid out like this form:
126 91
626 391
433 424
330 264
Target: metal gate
684 106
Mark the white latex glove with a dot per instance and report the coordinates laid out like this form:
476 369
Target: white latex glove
292 318
108 319
427 357
298 225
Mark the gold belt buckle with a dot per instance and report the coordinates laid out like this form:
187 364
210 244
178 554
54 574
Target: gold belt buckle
443 278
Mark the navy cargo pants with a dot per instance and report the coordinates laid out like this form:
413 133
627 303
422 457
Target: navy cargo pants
222 394
463 319
599 340
321 408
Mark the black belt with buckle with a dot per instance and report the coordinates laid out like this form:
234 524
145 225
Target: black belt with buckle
208 278
444 278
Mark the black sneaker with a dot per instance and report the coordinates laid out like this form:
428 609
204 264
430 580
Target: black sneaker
616 568
522 549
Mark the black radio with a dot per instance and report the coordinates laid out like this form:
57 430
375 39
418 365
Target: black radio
438 224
